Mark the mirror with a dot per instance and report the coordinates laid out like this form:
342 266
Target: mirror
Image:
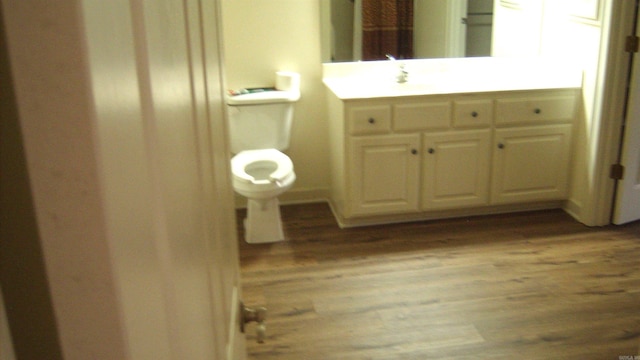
360 30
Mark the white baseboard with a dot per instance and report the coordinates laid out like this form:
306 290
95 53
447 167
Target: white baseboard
293 196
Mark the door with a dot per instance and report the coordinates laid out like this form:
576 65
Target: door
531 164
204 18
627 203
456 169
163 148
384 174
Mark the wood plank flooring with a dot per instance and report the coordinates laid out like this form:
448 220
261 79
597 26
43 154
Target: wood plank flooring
534 285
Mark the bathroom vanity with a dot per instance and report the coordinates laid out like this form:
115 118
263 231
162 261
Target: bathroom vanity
444 146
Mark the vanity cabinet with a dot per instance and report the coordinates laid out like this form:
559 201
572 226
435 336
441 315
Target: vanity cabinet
432 156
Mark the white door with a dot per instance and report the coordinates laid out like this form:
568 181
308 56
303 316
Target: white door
627 203
181 146
225 258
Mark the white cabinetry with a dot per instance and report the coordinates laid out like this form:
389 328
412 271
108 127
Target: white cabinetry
455 170
430 156
384 174
532 152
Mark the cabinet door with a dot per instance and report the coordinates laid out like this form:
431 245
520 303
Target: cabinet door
531 164
384 173
455 169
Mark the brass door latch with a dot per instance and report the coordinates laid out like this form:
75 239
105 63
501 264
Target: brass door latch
257 315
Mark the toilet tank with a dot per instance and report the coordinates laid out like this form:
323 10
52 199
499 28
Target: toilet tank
260 126
263 120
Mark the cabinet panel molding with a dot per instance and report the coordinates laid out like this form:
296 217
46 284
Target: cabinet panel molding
473 113
374 119
384 173
531 164
513 111
455 171
422 116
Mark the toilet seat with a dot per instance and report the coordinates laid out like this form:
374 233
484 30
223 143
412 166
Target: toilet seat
277 165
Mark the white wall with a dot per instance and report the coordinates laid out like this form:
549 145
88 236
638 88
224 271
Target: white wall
262 37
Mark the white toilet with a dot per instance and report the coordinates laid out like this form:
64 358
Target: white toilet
260 128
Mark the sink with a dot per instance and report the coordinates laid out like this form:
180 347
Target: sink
489 75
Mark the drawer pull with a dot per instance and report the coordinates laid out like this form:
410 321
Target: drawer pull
372 120
431 150
474 114
500 146
537 111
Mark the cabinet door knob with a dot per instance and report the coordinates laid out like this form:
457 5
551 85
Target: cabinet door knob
414 151
372 120
500 146
431 150
537 110
474 114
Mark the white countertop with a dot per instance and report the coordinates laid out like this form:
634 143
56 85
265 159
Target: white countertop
448 76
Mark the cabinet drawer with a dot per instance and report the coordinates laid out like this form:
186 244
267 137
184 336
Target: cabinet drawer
422 116
369 119
473 113
535 110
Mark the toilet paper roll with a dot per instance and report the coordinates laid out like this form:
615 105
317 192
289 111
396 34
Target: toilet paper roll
287 81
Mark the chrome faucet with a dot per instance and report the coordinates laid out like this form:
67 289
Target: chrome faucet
403 75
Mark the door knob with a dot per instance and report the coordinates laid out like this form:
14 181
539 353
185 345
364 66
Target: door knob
257 315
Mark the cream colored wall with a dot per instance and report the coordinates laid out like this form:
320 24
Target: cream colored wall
262 37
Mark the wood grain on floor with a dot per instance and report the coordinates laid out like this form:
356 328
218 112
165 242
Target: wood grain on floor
534 285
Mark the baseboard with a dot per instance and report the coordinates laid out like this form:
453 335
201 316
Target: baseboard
442 214
574 208
293 196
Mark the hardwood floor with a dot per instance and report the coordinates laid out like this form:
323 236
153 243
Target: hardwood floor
532 285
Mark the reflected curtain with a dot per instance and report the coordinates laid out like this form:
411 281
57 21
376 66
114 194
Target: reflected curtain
387 28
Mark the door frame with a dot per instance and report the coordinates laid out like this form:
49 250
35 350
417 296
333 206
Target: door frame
619 189
615 71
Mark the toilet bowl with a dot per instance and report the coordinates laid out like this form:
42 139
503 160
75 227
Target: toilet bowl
260 176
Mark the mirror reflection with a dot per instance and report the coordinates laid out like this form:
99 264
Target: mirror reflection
361 30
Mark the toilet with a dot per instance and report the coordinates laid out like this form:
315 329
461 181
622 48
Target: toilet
260 129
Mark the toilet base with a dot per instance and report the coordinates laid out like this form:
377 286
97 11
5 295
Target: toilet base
263 223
